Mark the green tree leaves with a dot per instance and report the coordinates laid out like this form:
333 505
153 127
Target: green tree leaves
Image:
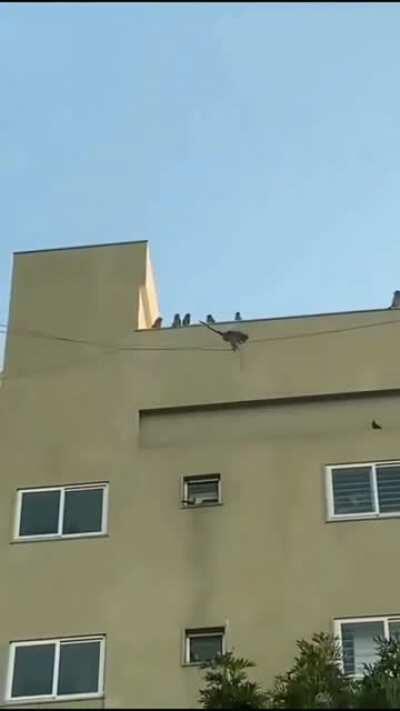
228 687
315 681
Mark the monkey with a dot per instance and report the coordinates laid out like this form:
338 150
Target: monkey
235 338
176 323
157 323
210 319
395 301
186 320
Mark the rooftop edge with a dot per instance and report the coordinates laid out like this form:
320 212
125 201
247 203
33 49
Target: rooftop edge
276 318
82 246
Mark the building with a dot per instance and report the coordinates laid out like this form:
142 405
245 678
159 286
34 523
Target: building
163 497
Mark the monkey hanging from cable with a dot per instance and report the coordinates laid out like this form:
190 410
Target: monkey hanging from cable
234 338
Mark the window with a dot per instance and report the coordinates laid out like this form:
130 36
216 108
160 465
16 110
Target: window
201 490
61 512
358 640
364 490
202 645
56 668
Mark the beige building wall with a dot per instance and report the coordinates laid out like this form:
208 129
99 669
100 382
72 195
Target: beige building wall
266 564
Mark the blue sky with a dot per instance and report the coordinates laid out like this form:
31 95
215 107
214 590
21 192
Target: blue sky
256 146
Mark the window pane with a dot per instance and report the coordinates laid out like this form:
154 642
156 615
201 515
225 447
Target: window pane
388 488
352 491
33 670
83 511
202 490
394 629
39 513
359 647
79 668
204 648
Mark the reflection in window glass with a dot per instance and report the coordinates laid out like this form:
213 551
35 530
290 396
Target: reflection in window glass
359 647
79 668
39 513
205 647
33 670
83 510
388 479
352 490
394 628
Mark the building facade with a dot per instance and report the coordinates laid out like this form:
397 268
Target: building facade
164 498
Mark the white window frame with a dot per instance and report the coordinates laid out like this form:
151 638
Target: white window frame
54 696
337 628
188 479
62 489
331 516
191 633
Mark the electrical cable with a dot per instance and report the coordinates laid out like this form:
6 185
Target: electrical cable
322 333
109 349
81 341
270 339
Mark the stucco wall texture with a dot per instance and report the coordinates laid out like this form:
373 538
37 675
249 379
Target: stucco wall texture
82 401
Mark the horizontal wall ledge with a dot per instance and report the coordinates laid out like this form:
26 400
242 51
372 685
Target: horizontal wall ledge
340 415
292 400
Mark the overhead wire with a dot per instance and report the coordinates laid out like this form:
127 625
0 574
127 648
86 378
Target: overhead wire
105 348
40 334
325 332
4 329
108 348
